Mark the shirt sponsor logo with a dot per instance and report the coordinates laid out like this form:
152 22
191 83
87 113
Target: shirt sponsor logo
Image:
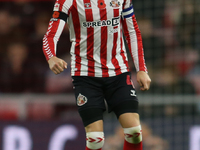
111 22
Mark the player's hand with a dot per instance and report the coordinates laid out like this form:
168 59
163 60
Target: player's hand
57 65
144 80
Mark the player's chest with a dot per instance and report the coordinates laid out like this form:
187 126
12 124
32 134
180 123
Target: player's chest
94 10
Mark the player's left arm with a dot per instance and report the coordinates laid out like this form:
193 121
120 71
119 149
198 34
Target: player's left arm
134 41
144 80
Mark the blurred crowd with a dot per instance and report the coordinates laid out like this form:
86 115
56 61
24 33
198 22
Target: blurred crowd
170 31
23 68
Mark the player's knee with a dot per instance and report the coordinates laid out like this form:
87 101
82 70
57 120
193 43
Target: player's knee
133 134
95 140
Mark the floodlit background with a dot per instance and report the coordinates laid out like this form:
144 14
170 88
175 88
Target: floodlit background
37 108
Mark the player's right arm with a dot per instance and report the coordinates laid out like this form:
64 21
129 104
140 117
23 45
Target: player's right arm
55 28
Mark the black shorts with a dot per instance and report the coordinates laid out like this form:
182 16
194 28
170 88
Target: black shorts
92 92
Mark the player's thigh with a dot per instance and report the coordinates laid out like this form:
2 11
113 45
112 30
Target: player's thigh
121 95
89 99
128 120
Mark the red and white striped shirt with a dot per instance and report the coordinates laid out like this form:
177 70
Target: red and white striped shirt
96 34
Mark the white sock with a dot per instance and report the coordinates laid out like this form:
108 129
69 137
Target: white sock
95 140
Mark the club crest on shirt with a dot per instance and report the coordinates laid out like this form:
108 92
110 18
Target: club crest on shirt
114 3
81 100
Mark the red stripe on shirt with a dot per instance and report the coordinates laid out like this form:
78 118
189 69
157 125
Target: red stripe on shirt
122 53
76 23
142 66
103 50
90 40
127 36
114 60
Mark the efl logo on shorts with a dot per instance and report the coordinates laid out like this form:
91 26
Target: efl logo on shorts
81 100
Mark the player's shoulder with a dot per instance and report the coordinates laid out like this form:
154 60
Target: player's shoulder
62 2
63 5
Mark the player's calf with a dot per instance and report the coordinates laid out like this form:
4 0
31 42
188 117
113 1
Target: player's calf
94 140
133 138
